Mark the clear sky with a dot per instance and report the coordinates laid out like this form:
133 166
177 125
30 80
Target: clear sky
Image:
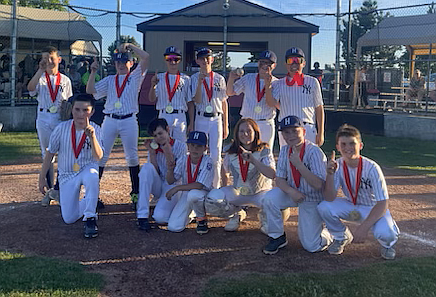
324 42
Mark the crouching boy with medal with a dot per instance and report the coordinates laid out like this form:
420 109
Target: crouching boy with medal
195 171
366 201
300 180
79 147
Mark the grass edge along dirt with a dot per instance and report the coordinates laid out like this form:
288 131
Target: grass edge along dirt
400 278
41 276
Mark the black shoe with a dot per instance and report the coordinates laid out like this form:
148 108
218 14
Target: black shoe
202 227
274 245
100 204
90 228
143 224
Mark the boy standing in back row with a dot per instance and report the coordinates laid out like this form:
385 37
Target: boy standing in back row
121 107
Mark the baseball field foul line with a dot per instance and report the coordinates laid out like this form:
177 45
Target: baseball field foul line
429 242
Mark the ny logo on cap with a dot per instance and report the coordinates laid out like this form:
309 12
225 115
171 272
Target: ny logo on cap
294 50
268 54
196 135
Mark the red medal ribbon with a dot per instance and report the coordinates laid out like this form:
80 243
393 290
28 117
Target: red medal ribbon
358 177
117 84
296 175
298 79
243 167
172 91
191 178
53 94
77 149
259 93
161 150
209 91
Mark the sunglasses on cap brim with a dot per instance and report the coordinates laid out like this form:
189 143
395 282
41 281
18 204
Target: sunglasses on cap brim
172 58
296 60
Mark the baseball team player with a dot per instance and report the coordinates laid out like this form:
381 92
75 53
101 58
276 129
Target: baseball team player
52 87
196 175
366 202
299 95
254 105
251 164
121 92
171 90
78 143
300 180
163 153
208 90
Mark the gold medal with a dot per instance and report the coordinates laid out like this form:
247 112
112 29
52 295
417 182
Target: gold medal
53 109
258 109
154 145
169 109
244 191
118 104
209 109
76 167
354 216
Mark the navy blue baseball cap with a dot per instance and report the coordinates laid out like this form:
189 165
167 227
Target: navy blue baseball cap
290 121
122 57
294 52
203 52
172 50
268 55
197 137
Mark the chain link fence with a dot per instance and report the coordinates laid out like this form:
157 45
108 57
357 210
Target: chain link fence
82 33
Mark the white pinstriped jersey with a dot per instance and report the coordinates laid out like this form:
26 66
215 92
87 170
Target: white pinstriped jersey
314 159
247 85
297 100
44 99
204 175
218 96
372 183
179 150
256 181
60 142
129 97
181 96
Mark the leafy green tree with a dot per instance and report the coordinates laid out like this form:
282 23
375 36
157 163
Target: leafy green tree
218 62
43 4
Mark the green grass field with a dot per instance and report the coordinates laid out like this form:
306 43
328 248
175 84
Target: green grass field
402 278
23 276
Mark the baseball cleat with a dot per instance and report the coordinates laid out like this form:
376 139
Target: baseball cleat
202 227
46 200
337 247
275 244
143 224
388 253
54 195
234 222
100 204
90 228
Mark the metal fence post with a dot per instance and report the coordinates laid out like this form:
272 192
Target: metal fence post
13 52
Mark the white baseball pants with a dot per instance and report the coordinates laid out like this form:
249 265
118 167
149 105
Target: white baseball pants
128 131
313 236
310 134
71 208
213 127
385 230
177 124
46 122
267 132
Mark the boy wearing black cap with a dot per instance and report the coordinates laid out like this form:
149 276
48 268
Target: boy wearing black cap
255 106
208 89
170 89
121 107
195 173
299 95
300 178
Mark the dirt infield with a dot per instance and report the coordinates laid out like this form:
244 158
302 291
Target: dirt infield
161 263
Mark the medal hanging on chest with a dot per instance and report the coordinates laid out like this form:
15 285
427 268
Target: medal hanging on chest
296 175
120 90
78 149
53 93
171 91
354 215
259 94
209 92
191 178
243 169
